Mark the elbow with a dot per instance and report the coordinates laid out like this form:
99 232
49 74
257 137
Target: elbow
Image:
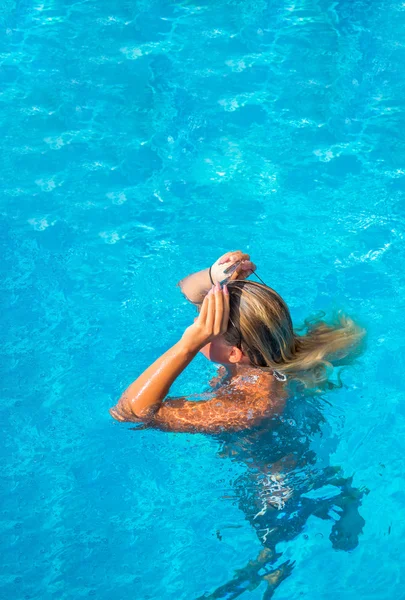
124 414
117 414
122 411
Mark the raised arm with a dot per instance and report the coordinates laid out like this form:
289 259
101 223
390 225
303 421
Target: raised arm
196 286
143 398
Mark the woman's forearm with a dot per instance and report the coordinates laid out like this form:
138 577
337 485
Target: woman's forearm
196 286
144 396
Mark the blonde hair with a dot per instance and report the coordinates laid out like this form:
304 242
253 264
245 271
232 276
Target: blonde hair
260 324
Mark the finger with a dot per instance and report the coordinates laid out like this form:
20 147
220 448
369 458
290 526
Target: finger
219 309
233 256
224 259
225 313
243 271
239 273
204 309
247 265
246 270
210 316
239 255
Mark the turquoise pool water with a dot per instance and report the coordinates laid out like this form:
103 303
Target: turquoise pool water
141 140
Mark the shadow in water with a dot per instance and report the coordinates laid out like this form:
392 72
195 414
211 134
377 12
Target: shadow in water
287 480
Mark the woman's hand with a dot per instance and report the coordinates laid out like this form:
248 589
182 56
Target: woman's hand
232 265
212 320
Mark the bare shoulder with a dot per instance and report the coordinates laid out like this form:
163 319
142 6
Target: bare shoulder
255 383
255 390
241 403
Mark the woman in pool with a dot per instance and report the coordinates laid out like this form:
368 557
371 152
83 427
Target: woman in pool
246 327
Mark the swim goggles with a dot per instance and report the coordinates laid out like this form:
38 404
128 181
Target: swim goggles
230 270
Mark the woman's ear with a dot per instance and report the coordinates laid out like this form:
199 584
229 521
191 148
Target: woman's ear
236 355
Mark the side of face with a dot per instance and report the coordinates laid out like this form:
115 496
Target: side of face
219 351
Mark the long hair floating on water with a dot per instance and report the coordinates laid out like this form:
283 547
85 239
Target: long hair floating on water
260 324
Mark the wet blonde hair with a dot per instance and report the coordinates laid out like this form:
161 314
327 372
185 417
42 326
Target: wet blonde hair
260 324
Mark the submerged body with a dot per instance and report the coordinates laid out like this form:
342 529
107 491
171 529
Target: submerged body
284 483
272 435
247 328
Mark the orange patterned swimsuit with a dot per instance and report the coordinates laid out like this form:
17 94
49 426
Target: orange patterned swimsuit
242 403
